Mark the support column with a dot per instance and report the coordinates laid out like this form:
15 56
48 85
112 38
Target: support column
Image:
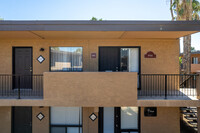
90 126
5 119
40 126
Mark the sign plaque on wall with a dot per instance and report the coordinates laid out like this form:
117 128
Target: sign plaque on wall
150 54
93 55
150 111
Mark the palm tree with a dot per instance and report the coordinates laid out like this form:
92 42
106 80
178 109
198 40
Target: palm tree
185 10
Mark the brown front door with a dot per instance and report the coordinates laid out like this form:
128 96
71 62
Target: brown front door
22 67
22 120
109 59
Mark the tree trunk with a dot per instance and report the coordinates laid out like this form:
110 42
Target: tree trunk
187 54
187 39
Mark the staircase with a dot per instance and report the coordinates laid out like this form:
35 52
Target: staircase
189 116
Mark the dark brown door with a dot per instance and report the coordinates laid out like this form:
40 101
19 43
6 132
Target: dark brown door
109 59
22 120
22 67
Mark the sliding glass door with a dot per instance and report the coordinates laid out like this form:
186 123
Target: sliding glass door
119 120
129 59
124 59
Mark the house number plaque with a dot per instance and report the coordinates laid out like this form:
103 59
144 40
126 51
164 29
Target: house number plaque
93 55
150 54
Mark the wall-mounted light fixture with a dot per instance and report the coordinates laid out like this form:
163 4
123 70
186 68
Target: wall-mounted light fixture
42 49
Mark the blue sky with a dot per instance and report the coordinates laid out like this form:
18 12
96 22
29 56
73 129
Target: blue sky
86 9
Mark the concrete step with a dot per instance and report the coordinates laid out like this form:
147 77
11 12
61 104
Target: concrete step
194 122
190 117
189 113
189 110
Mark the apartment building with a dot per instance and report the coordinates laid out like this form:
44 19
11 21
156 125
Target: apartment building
94 76
195 61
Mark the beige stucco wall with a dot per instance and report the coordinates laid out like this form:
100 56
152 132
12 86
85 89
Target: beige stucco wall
167 121
90 89
89 126
37 125
166 50
5 119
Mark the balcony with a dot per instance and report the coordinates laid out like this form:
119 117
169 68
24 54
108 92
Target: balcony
21 86
98 88
168 86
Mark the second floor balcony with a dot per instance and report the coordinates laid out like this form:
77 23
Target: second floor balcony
168 86
99 87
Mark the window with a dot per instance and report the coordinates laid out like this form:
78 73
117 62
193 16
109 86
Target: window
194 60
66 58
129 59
66 119
129 118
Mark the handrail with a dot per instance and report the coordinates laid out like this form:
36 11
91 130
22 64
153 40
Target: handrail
164 85
21 86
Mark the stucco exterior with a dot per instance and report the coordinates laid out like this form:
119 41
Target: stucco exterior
40 126
90 89
166 121
159 65
5 119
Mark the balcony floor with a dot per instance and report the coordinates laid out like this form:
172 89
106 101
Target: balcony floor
24 94
182 94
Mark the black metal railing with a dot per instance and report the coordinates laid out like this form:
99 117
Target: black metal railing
21 86
164 85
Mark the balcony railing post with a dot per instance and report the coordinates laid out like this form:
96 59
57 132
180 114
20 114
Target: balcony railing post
165 86
18 87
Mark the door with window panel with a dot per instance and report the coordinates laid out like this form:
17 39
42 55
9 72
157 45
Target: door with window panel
119 120
66 120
